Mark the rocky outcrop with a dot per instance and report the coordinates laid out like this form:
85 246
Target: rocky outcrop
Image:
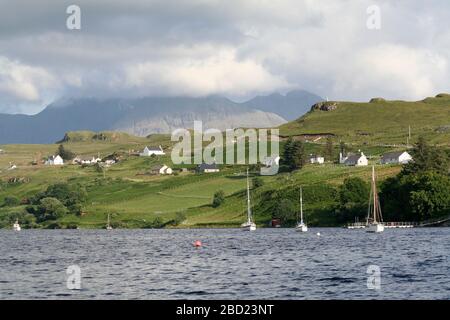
325 106
377 100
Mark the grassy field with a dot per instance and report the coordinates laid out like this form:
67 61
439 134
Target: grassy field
133 197
379 122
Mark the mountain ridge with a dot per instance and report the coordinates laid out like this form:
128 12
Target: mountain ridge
136 116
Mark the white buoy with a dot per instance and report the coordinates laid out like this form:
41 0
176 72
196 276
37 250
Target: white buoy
318 234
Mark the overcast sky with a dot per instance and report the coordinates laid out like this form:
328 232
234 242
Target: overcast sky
237 48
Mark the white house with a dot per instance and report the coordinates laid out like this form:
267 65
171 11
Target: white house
162 169
354 160
207 168
316 159
399 157
270 161
55 161
88 160
147 152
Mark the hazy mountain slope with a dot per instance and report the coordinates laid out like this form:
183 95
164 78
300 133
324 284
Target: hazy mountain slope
136 116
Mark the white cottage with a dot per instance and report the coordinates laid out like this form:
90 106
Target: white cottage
316 159
147 152
162 169
354 160
399 157
55 161
207 168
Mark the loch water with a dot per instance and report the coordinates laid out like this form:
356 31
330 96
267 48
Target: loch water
231 264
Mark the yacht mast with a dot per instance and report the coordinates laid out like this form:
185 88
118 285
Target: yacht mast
301 205
249 213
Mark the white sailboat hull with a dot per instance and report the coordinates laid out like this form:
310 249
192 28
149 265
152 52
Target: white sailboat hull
17 227
301 227
248 226
375 228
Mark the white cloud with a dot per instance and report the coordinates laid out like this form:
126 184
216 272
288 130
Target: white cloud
235 48
20 83
399 71
218 73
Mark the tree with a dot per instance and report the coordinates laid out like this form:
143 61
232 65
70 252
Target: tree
218 199
64 153
68 194
11 201
416 197
293 154
329 149
286 210
50 209
353 198
427 158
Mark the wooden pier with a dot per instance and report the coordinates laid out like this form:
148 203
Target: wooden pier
388 225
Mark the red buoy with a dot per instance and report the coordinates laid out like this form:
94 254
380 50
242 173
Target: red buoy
197 244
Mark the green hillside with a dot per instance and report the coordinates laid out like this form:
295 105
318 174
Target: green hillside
134 197
378 122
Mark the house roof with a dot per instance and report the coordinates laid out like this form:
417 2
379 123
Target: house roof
206 166
353 158
391 155
153 148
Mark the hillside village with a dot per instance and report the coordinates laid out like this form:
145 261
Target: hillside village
133 180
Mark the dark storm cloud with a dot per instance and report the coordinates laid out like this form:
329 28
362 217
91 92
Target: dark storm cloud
237 48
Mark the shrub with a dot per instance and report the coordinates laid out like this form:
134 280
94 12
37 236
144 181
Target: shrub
11 201
257 182
179 218
218 199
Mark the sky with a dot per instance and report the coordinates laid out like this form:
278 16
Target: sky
235 48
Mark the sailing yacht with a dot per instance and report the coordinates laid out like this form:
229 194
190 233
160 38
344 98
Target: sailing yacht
374 217
301 226
249 225
108 226
16 226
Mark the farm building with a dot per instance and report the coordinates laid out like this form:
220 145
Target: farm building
147 152
399 157
207 168
270 161
86 160
161 169
316 159
54 161
354 160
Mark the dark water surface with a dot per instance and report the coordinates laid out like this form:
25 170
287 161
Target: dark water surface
232 264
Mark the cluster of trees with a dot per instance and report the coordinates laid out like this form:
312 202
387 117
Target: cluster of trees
421 191
353 198
58 200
